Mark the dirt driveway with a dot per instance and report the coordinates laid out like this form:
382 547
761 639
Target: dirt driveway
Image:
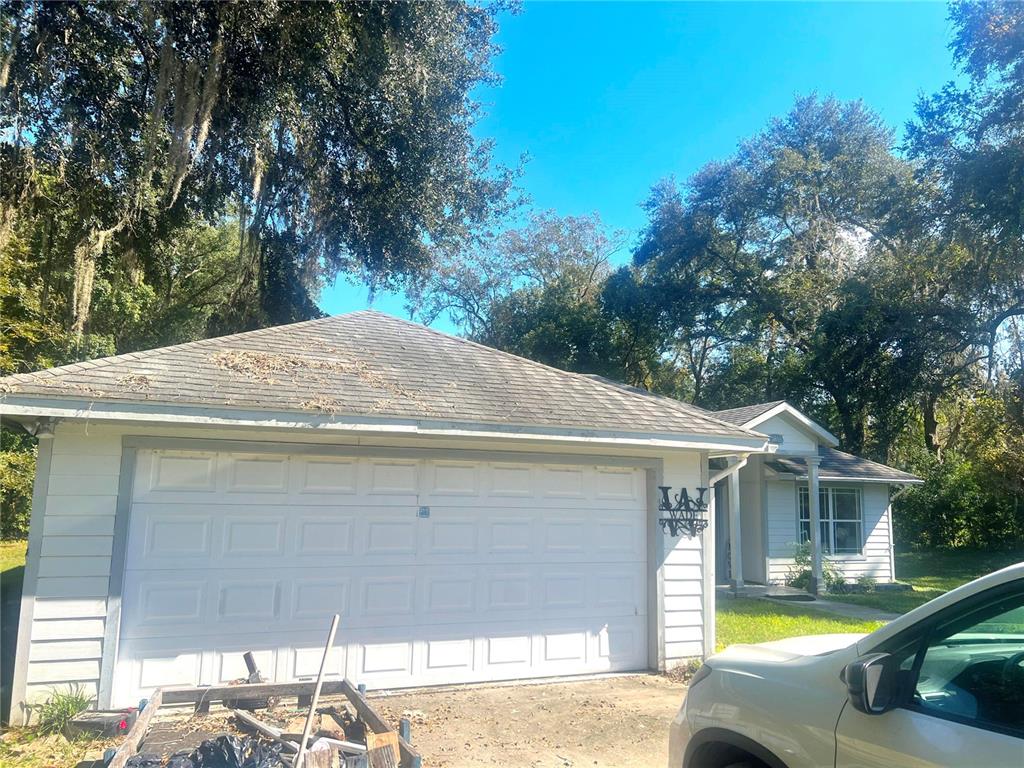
617 721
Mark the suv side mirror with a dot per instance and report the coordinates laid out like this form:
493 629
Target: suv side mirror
871 683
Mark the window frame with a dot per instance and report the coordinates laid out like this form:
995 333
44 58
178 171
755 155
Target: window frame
828 519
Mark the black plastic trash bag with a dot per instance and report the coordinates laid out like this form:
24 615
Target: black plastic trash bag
180 760
231 752
144 760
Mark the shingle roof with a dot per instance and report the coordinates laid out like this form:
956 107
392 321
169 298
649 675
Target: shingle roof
837 465
367 364
741 416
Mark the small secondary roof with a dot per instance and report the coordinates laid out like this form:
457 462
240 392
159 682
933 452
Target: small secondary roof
362 364
751 416
837 465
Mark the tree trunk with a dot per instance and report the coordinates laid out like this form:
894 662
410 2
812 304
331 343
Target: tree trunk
931 425
852 426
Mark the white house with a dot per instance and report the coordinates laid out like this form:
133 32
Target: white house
472 515
765 509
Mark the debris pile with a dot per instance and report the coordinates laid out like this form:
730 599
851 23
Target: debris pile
223 752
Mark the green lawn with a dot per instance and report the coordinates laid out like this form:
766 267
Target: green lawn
745 620
931 574
12 555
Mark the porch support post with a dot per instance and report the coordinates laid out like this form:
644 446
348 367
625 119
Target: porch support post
735 538
815 520
709 597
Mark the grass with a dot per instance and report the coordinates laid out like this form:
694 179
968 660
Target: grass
931 574
745 620
12 557
60 709
29 748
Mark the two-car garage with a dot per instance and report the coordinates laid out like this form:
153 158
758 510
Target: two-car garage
470 514
443 570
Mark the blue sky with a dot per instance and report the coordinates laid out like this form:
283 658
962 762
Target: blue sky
608 98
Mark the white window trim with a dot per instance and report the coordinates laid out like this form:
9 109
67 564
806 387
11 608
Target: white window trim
828 518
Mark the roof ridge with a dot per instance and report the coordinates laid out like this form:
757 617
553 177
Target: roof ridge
687 408
767 405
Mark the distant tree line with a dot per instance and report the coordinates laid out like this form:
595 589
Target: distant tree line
880 288
170 171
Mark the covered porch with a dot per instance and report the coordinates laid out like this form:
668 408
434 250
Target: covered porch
763 515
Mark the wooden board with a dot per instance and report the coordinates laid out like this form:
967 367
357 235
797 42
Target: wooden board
410 757
382 749
130 745
210 693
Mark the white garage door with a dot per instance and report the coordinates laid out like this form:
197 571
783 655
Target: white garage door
442 571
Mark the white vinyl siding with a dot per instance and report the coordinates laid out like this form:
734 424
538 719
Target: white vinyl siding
783 532
74 564
795 438
683 574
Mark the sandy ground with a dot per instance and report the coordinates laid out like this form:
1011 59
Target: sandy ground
615 721
619 721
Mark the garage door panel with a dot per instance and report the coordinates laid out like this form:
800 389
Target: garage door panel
166 600
328 477
258 473
449 594
616 485
305 661
514 570
508 536
392 478
319 598
176 472
387 535
253 536
618 590
449 533
169 536
325 535
447 479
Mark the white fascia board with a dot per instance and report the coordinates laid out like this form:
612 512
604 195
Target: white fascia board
812 426
886 480
175 415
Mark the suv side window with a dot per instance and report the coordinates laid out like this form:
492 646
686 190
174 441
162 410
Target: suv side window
970 667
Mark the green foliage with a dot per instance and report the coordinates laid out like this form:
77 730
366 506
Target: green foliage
973 495
541 290
333 137
799 572
56 712
866 583
17 472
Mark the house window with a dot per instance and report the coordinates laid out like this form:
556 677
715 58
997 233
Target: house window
841 517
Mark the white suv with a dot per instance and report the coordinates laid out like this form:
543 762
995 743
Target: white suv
941 686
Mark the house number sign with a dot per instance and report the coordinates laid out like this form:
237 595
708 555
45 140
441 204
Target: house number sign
685 512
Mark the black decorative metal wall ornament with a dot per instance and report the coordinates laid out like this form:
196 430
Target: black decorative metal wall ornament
685 513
